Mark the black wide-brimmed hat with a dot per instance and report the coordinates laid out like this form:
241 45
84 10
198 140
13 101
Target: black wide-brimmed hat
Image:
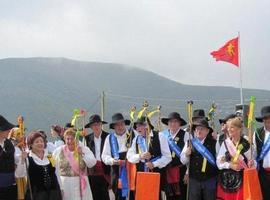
199 113
265 112
202 122
173 115
225 119
5 124
118 117
143 120
94 119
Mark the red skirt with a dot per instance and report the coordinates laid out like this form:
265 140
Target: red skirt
223 195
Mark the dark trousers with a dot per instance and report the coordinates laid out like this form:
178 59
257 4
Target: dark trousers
8 193
264 177
99 187
199 190
44 195
117 192
183 186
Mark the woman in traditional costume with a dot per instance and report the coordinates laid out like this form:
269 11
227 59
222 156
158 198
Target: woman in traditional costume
72 160
43 183
233 157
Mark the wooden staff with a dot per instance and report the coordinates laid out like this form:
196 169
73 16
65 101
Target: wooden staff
190 113
23 147
159 119
79 124
251 123
211 115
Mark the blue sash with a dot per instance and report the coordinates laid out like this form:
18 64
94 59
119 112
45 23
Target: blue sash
124 179
203 151
142 143
265 149
114 146
123 169
173 147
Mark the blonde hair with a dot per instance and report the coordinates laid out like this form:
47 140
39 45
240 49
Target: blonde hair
236 122
70 131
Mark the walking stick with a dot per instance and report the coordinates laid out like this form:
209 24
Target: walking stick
23 146
251 123
189 111
251 183
79 122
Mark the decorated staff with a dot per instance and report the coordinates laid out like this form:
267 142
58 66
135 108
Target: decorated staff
252 189
211 118
190 117
131 167
78 122
22 146
262 147
211 115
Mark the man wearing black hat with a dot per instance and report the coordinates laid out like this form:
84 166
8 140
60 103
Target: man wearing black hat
224 129
262 145
149 152
201 159
175 172
99 175
114 154
8 163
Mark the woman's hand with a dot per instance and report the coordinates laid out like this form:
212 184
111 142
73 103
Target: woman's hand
79 150
235 166
188 151
23 156
251 164
145 156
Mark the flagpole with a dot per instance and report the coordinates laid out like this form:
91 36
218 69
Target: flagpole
240 68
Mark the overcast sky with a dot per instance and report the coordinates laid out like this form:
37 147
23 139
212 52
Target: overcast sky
173 38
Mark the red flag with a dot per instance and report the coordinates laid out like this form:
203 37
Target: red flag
228 53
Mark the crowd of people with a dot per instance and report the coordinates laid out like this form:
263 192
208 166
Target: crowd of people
195 163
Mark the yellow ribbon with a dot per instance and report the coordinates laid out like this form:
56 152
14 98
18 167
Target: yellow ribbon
132 113
51 159
149 115
141 112
204 165
239 149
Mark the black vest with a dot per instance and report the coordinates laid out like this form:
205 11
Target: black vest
179 138
259 139
42 178
196 161
154 150
7 160
91 144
